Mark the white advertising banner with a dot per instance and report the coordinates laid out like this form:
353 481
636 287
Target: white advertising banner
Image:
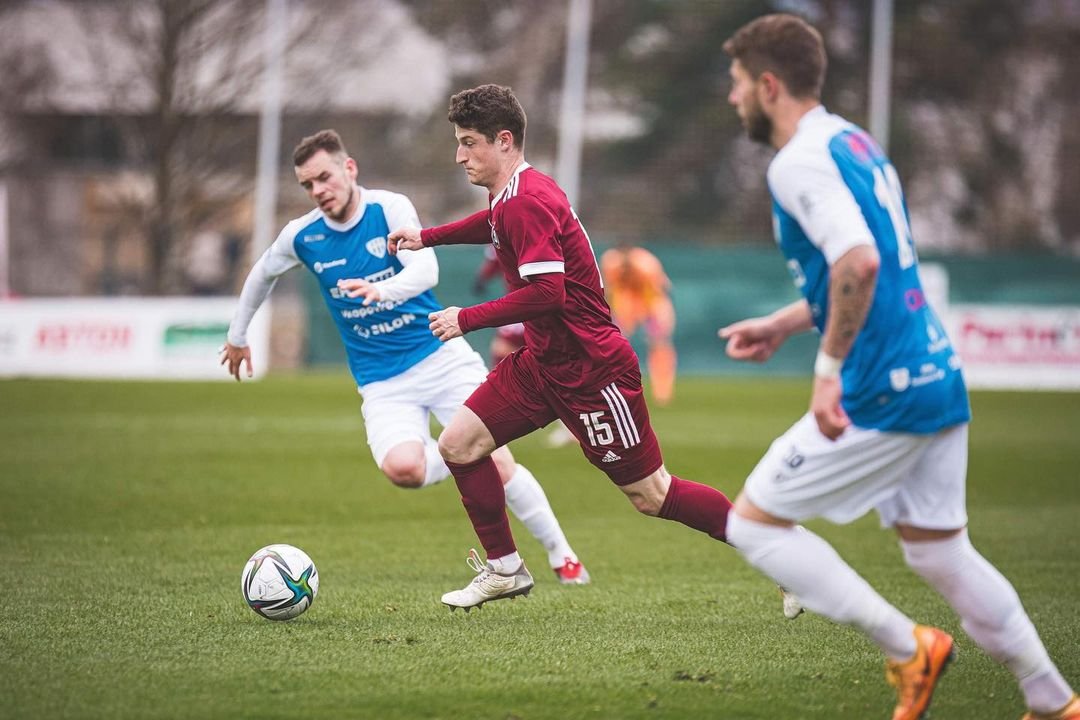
1017 346
171 338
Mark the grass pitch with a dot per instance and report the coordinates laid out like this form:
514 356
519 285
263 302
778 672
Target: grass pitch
127 511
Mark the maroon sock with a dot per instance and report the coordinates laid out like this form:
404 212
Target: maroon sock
484 499
698 506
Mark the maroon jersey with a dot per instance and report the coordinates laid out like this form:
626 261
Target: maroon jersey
534 232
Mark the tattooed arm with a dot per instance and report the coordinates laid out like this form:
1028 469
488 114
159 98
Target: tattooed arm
852 279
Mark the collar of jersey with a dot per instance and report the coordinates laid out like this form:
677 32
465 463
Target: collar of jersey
501 195
811 116
351 222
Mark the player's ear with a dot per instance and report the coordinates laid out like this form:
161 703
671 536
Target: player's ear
351 168
771 84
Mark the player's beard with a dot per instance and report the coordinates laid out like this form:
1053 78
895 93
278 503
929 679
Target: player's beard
758 125
340 217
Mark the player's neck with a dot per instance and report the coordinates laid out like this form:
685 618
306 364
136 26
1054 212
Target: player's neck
503 179
786 120
353 205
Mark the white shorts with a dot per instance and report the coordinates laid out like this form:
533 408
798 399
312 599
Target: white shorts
398 409
916 480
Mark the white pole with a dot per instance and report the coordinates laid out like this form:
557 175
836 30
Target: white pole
881 39
266 177
5 248
572 106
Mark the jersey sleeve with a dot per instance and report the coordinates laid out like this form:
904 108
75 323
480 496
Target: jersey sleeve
399 211
420 268
473 230
278 259
813 192
533 230
546 294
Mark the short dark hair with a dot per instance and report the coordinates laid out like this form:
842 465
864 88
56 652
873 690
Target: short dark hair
327 140
785 45
489 109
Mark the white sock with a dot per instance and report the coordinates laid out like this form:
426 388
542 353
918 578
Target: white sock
806 565
435 470
991 613
526 499
506 564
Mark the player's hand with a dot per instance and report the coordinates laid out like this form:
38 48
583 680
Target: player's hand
444 323
235 357
404 239
755 339
825 404
358 287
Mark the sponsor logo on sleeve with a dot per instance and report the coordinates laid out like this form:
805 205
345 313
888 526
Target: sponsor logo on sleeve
797 275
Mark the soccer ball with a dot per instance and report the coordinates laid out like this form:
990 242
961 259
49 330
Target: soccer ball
279 582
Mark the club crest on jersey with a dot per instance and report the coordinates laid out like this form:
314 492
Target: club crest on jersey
494 237
900 379
377 247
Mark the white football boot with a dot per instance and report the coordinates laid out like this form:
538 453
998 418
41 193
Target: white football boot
488 585
792 605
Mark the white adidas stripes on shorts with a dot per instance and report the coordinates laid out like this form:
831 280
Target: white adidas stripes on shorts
397 409
916 480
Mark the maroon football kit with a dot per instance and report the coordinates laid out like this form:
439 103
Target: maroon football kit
576 364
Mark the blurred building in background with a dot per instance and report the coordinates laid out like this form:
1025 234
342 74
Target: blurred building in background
129 130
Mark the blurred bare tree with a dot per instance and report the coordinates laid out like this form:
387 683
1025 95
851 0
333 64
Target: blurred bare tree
149 108
175 84
193 62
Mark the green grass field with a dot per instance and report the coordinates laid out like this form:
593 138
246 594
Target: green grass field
127 512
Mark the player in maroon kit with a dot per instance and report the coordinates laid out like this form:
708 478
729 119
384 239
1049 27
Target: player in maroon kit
576 364
508 338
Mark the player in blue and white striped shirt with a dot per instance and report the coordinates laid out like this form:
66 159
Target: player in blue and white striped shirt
380 303
888 421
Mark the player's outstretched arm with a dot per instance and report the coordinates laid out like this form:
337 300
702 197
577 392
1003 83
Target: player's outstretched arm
756 339
444 323
278 259
234 356
406 238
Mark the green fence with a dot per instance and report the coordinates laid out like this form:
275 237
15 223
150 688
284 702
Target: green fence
714 286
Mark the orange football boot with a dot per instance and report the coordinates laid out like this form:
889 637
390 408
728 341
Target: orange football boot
916 678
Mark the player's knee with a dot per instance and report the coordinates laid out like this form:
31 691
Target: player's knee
404 472
461 446
643 506
648 495
644 501
454 448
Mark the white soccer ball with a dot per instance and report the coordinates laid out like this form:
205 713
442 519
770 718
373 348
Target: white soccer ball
279 582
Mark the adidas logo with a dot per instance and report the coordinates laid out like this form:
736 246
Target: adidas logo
610 457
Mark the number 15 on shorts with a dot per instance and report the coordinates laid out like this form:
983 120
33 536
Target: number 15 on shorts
598 430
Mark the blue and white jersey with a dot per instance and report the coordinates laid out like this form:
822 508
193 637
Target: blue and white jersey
382 339
834 189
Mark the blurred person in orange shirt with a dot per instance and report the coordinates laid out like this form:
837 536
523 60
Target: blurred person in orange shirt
638 292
